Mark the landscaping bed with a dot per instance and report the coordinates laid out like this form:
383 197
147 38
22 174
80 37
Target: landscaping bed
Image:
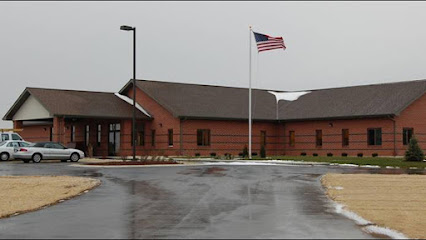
391 201
21 194
376 161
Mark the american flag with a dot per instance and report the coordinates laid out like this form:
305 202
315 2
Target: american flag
265 42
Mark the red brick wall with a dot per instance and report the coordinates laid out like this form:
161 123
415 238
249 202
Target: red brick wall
305 137
414 116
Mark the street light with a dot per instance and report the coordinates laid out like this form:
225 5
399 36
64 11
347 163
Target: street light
128 28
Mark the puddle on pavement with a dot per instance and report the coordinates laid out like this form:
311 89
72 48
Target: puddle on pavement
211 171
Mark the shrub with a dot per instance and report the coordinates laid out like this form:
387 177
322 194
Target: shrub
254 153
303 154
315 154
344 154
197 154
262 152
329 154
241 154
360 154
213 154
245 151
228 156
374 154
414 152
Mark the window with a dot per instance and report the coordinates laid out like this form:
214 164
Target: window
374 136
203 137
262 138
5 137
345 137
99 135
51 134
73 133
170 132
86 135
13 144
153 138
16 137
407 134
318 138
292 138
141 134
24 144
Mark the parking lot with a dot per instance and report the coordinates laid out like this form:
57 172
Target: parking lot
186 202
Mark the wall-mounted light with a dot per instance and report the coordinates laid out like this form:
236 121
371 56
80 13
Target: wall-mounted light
161 125
45 129
330 124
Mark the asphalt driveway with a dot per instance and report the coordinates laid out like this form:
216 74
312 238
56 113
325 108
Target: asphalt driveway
186 202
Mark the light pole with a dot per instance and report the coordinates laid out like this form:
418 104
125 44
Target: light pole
128 28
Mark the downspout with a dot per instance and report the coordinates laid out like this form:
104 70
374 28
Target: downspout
394 135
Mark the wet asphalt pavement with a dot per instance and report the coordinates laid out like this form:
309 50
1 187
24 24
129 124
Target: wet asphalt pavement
186 202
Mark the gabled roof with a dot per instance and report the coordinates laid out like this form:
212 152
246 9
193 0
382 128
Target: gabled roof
212 102
376 100
72 103
215 102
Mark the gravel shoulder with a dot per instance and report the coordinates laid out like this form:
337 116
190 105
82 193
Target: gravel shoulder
21 194
391 201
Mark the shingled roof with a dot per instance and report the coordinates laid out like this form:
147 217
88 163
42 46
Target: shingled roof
71 103
214 102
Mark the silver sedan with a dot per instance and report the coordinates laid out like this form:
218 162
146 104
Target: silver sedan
48 150
8 148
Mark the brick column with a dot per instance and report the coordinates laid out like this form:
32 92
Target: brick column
17 124
58 130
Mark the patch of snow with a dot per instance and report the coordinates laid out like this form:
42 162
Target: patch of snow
389 167
338 188
413 168
370 166
385 231
348 165
238 163
130 101
288 96
339 208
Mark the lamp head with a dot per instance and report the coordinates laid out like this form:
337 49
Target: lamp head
126 28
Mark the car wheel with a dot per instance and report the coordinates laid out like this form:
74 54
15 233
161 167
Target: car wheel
36 158
63 160
75 157
26 161
4 156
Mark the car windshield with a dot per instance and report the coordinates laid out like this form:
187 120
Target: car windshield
39 145
2 143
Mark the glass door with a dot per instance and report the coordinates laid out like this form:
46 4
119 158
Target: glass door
114 139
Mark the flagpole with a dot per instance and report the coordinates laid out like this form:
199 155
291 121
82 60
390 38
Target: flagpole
250 122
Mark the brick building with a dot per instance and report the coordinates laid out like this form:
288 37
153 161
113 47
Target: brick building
189 119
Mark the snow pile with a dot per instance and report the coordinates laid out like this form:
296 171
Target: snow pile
348 165
338 188
385 231
288 96
370 166
239 163
339 208
130 101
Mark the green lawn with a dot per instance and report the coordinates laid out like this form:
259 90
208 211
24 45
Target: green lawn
379 161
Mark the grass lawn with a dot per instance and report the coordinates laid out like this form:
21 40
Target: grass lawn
379 161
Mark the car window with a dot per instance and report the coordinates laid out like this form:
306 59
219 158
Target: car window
39 145
2 143
16 137
13 144
24 144
4 137
48 145
57 146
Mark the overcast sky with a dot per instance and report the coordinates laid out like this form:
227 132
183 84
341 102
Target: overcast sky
78 45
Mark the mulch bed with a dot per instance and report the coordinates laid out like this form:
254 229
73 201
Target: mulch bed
130 163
